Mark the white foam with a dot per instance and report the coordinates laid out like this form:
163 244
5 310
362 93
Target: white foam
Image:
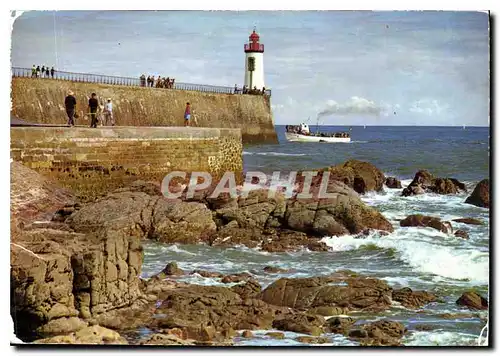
440 338
419 249
175 248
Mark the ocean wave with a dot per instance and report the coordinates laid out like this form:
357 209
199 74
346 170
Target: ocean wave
440 338
418 248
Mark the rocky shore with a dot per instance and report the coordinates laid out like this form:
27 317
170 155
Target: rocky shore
75 268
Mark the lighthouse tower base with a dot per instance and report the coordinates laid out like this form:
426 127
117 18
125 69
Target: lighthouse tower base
254 78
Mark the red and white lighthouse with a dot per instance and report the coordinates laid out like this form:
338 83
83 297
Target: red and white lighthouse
254 62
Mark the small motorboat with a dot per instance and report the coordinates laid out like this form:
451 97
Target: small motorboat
301 133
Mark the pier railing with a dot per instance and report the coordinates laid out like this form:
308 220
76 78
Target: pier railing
127 81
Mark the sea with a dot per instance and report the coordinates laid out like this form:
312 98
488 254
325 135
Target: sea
418 258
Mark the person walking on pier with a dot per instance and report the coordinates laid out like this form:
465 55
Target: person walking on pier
187 114
93 105
47 72
33 71
52 71
38 71
108 113
70 104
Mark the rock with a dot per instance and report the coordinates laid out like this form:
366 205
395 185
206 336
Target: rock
424 327
300 323
426 221
481 195
412 299
61 326
166 339
361 176
145 216
247 334
469 221
276 335
379 333
271 269
462 234
171 269
339 325
235 278
473 300
337 290
220 307
34 197
392 182
89 335
60 274
344 213
312 340
327 311
425 182
249 290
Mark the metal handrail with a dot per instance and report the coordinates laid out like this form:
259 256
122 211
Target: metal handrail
127 81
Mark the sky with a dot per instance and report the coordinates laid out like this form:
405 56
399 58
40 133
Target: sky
338 67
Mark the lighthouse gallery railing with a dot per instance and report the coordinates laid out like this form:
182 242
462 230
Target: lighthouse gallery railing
127 81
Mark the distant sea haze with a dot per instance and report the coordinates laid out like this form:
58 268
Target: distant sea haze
351 68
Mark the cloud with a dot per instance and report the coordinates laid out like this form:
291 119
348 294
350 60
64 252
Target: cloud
354 106
428 107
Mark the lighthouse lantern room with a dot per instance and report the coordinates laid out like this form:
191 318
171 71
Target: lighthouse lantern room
254 62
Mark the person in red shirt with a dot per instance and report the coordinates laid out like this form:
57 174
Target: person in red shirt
187 114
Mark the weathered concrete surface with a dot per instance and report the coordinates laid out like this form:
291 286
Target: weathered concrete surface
42 101
95 161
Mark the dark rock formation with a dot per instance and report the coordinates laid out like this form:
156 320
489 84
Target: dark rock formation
425 182
427 221
337 290
33 197
392 182
462 234
300 323
412 299
481 194
379 333
473 300
469 221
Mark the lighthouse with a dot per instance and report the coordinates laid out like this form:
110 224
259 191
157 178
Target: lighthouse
254 62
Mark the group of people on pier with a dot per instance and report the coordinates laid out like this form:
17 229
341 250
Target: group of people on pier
43 72
159 82
245 90
96 110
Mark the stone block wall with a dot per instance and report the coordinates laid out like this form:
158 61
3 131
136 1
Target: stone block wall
92 162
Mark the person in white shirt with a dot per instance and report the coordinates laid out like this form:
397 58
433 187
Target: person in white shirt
108 113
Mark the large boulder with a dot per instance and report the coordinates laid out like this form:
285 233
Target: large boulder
425 182
300 323
343 213
87 336
427 221
412 299
360 176
481 194
337 290
473 300
469 221
393 182
146 216
379 333
58 274
194 306
34 197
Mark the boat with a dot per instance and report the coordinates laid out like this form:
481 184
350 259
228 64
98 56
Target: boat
301 133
